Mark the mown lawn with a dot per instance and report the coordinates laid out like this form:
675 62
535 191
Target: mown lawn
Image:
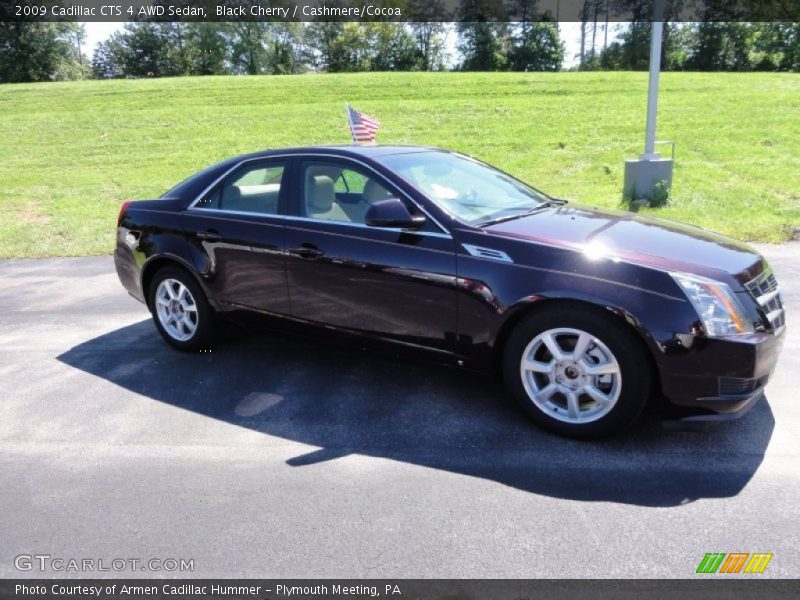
71 152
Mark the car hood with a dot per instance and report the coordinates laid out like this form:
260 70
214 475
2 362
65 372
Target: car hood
636 238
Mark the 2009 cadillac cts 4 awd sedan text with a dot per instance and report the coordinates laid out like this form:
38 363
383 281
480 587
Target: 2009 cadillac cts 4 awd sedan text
587 313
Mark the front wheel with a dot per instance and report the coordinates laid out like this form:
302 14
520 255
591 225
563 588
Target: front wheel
180 310
577 372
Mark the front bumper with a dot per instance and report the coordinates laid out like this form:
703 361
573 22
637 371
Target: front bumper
718 379
725 408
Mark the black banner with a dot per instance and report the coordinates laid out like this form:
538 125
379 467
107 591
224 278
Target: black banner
705 587
399 10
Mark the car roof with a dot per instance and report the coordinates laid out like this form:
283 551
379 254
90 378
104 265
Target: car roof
356 150
194 184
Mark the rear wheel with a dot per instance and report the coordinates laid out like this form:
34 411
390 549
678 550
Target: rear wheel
180 310
577 372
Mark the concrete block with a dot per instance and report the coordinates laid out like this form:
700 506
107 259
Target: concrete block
642 175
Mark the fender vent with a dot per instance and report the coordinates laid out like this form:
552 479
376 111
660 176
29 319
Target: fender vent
489 253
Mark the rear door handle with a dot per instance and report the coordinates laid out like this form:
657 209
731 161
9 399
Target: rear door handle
209 234
307 251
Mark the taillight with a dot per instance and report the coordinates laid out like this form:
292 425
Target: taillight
122 210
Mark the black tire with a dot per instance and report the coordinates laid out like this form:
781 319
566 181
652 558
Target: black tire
203 335
628 350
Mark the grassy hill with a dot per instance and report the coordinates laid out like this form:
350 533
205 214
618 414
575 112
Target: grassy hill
71 152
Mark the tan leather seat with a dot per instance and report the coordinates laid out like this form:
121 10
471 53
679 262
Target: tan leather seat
372 193
260 199
321 201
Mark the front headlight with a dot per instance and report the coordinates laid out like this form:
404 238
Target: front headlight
716 304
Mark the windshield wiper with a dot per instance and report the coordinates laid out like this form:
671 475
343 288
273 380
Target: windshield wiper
530 211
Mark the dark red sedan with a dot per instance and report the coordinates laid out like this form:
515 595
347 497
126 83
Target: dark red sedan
587 313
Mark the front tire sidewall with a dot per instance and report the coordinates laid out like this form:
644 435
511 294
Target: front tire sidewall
203 335
627 349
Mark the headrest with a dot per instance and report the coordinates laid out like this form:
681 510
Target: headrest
259 189
319 193
374 191
232 198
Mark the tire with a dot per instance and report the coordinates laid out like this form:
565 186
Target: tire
565 394
193 331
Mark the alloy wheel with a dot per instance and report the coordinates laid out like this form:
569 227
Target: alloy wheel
176 310
571 375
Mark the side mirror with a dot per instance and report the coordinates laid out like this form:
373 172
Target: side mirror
392 212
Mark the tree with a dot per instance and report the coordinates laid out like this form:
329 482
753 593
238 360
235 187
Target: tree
393 47
537 47
284 53
355 46
350 50
210 48
39 52
180 50
589 12
249 47
79 36
635 46
721 47
632 51
427 26
143 50
106 61
776 47
482 35
320 44
480 44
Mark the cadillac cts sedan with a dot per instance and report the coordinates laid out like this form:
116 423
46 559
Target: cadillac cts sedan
586 313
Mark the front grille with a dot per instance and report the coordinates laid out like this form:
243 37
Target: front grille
737 386
766 292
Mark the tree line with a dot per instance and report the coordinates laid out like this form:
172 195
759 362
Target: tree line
169 49
54 51
485 42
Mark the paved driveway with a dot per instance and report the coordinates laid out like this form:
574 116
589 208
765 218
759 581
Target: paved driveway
277 457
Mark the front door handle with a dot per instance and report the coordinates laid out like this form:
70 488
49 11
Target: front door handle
307 251
209 234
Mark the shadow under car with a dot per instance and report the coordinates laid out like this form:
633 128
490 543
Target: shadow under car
346 401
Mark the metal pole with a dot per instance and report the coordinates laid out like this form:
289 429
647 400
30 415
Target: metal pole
652 93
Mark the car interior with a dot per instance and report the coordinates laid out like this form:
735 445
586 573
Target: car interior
336 194
256 191
329 193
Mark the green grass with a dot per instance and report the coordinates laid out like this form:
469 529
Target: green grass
71 152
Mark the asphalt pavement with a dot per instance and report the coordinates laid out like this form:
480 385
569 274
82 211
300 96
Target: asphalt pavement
281 457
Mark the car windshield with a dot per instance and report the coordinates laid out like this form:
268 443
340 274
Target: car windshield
469 190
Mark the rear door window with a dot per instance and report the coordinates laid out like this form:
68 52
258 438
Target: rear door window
252 189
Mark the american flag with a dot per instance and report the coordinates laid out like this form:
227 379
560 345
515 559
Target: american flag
362 127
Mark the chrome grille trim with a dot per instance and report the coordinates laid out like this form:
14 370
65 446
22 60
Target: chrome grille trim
765 291
767 298
774 315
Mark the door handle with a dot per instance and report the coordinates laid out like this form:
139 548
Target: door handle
209 234
307 251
